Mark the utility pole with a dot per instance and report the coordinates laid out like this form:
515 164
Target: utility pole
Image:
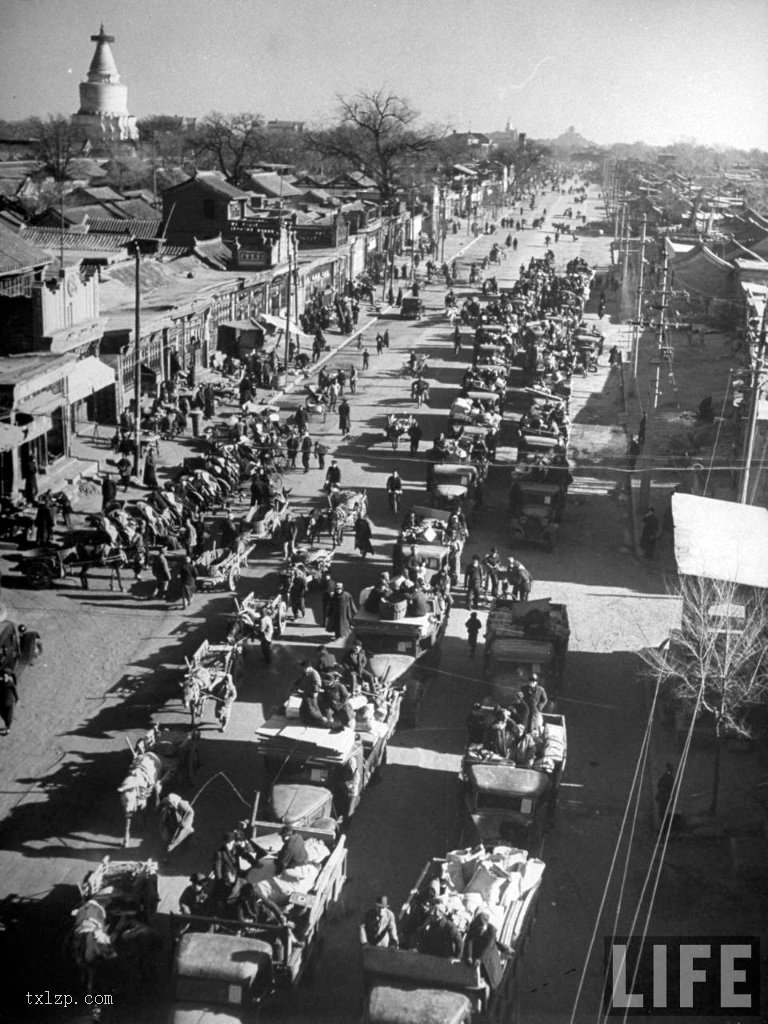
288 304
754 402
137 363
661 359
637 329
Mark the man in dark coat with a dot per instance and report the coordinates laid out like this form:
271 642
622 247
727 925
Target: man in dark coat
44 521
162 573
333 476
345 419
306 450
359 666
415 434
108 490
188 577
9 697
481 949
474 580
293 852
439 936
535 699
363 536
341 611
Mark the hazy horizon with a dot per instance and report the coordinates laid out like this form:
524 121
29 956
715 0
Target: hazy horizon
672 70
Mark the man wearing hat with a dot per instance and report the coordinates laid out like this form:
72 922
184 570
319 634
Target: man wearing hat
359 667
193 901
341 610
332 476
177 820
227 866
313 711
378 927
535 700
326 661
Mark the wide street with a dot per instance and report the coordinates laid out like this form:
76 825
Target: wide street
112 662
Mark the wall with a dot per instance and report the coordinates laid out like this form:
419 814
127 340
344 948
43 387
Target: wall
183 213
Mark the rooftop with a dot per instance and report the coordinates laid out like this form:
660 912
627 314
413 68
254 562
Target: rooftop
18 253
721 540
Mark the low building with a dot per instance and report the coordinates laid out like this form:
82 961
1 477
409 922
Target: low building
200 207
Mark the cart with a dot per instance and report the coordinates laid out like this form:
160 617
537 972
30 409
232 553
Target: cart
220 569
250 611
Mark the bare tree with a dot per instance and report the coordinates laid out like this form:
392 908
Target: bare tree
717 661
230 143
60 143
377 133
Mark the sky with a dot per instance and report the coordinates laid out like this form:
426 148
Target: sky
659 71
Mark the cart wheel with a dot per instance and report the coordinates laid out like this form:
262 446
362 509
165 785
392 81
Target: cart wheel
282 613
234 576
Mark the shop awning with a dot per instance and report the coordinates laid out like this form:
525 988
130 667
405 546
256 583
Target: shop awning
10 437
41 404
721 540
37 426
279 323
89 375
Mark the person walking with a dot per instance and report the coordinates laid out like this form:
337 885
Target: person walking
320 451
353 380
344 418
162 573
474 579
363 536
9 698
366 358
341 611
108 491
306 450
415 434
44 523
385 337
188 578
492 563
226 695
150 471
31 487
379 345
473 626
289 531
266 632
649 533
378 926
292 448
519 580
297 593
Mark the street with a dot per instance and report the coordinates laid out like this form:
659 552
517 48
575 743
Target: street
112 662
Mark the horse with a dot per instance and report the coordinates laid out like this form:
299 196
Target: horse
199 686
144 781
326 520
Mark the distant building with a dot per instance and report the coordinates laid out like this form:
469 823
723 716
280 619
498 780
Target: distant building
103 113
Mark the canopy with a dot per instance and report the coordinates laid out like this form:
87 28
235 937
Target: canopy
721 540
89 375
41 404
10 437
279 324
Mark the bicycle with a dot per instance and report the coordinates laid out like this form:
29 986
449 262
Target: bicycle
395 497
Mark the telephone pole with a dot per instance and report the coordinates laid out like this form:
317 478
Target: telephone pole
137 364
754 404
653 404
637 329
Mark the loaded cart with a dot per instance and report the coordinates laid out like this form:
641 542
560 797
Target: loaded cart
219 568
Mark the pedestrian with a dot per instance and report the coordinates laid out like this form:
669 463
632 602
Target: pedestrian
664 789
366 358
30 481
188 577
177 821
473 626
162 573
266 632
115 576
363 536
292 448
124 468
519 580
341 611
344 418
289 531
333 395
226 695
492 563
385 337
320 451
44 523
649 533
379 927
297 593
474 579
534 700
9 698
306 450
457 340
150 471
379 345
332 477
353 380
108 491
415 433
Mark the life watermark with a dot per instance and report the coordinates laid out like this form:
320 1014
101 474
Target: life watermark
48 998
715 976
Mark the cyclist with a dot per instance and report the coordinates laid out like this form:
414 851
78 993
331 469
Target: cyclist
395 491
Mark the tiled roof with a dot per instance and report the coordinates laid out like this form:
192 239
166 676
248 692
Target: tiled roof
18 254
215 182
73 241
114 226
271 184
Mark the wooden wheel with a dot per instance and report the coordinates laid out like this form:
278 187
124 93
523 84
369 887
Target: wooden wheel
234 576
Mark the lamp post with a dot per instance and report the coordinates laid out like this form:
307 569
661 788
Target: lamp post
754 401
290 238
662 357
137 360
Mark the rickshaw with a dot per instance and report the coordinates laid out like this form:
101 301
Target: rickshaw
534 524
451 483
